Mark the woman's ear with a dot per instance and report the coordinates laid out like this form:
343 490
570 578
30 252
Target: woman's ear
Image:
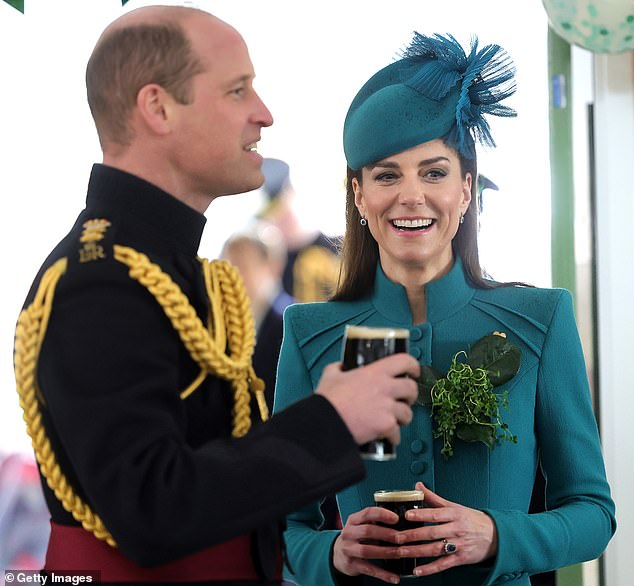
358 197
466 192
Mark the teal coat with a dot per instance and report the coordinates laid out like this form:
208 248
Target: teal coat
550 412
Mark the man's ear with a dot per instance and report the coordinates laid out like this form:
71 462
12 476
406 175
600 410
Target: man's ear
155 107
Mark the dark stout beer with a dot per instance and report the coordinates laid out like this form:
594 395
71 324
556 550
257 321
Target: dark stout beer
363 345
400 501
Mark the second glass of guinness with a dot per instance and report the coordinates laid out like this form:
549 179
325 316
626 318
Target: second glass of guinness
399 502
363 345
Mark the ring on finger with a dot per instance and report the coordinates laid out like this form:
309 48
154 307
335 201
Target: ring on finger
449 547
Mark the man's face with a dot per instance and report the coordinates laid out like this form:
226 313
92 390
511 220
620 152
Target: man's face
216 134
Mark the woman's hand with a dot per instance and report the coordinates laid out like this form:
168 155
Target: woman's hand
472 532
357 543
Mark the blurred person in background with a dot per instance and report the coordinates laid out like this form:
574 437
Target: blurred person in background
312 266
259 254
24 518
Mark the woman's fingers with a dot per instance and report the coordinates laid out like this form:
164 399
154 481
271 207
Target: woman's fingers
451 533
372 515
360 541
369 569
432 499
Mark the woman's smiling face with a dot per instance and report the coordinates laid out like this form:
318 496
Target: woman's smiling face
413 202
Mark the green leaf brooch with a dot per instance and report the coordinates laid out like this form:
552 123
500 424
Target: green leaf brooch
463 402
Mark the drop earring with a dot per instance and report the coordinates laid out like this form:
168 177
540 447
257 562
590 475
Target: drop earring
462 218
363 221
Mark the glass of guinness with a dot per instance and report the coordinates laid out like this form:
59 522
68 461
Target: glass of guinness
363 345
400 501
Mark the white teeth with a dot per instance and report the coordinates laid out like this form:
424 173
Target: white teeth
252 148
420 223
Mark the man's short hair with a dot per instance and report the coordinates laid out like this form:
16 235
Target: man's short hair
129 58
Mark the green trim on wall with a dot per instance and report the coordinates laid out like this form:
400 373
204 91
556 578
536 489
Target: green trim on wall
562 196
570 576
562 181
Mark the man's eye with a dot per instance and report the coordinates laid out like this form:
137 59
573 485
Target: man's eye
239 91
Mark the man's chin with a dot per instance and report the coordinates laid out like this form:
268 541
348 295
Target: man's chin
244 187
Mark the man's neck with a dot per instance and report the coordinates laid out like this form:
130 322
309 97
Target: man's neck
161 176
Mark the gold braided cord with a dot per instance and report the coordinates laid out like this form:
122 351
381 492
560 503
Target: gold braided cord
231 319
234 322
30 331
216 326
224 290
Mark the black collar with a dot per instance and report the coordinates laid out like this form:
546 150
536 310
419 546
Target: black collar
133 198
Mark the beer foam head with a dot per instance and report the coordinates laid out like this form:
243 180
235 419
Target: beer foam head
390 496
370 333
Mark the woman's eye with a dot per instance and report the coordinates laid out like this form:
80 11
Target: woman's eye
436 173
387 176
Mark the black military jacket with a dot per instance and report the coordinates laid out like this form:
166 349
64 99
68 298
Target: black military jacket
163 473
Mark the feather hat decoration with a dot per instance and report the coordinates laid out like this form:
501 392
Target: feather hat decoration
435 90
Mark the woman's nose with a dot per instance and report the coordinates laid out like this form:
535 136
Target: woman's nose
412 193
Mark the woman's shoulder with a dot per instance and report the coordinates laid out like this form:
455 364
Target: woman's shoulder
308 318
524 292
324 309
540 303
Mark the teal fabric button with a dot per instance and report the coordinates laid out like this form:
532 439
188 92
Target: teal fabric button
415 334
418 467
416 352
417 446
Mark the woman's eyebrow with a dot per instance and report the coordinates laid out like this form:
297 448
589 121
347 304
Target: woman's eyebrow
394 165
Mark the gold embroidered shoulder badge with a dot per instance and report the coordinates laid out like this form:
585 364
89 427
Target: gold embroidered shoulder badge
94 231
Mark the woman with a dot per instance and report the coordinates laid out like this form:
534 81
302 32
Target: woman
410 259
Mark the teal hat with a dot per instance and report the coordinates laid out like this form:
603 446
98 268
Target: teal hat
433 91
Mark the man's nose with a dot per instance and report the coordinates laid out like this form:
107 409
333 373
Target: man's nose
262 114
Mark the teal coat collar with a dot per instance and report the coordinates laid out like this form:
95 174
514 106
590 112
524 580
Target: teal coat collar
444 297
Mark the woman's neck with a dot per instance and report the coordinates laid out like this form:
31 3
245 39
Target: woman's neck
414 280
417 304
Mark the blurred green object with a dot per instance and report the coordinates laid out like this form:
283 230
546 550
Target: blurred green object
601 26
484 183
17 4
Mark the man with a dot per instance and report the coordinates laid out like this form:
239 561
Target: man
133 356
